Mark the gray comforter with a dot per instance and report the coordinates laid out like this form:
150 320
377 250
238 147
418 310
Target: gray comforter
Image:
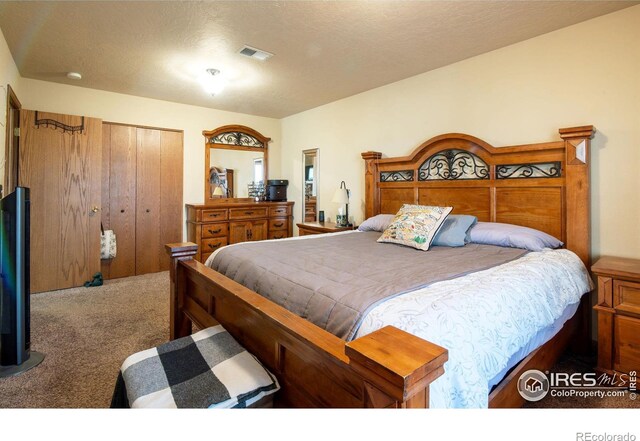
334 280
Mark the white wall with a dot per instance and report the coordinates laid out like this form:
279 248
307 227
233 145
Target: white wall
584 74
8 75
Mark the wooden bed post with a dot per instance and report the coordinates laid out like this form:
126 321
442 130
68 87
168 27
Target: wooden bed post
371 195
399 377
577 142
179 324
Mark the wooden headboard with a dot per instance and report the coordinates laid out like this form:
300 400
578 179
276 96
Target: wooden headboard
543 186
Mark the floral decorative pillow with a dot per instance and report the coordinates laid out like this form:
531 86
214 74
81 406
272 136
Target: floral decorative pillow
415 226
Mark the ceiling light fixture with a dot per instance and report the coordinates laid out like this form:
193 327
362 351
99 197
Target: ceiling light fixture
213 81
74 76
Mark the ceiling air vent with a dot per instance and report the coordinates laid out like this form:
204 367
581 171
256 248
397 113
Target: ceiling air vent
252 52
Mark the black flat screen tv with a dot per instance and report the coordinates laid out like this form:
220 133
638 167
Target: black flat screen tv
15 314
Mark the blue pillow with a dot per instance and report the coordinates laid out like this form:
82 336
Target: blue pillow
454 232
507 235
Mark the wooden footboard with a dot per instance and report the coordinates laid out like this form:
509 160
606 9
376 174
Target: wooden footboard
387 368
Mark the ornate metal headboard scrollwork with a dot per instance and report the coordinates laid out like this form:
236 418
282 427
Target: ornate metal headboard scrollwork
453 164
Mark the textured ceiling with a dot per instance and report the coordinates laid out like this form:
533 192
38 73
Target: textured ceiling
324 51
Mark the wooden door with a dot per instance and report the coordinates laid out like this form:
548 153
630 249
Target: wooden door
119 197
147 236
171 208
12 143
259 230
62 167
239 231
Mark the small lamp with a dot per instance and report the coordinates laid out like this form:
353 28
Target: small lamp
218 191
341 196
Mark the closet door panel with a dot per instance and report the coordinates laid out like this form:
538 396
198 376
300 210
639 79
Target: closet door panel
105 214
122 205
170 192
147 237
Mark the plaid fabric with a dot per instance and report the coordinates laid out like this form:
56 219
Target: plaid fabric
206 369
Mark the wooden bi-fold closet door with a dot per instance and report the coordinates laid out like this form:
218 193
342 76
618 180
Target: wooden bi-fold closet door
143 190
60 162
119 196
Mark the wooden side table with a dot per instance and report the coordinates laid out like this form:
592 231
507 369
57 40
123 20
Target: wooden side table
307 228
618 310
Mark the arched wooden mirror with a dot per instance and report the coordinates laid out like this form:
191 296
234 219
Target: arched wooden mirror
235 156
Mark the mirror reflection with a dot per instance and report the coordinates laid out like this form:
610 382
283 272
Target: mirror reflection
310 185
231 171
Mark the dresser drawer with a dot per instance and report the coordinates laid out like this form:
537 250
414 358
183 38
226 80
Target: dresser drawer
278 224
213 215
278 234
627 344
626 297
215 230
248 213
210 245
279 211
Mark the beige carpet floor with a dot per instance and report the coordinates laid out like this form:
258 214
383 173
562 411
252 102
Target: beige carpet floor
86 333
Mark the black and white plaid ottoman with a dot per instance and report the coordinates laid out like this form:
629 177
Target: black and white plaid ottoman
208 369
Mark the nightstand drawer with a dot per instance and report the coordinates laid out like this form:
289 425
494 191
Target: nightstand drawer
215 230
247 213
278 224
627 350
210 245
213 215
626 297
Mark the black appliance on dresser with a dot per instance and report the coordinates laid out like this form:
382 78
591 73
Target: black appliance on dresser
276 190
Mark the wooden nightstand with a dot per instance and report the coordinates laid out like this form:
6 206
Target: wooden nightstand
618 310
320 227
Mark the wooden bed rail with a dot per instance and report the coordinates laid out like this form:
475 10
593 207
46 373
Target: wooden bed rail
387 368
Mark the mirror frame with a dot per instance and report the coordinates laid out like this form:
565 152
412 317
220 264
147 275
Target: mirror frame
316 178
232 137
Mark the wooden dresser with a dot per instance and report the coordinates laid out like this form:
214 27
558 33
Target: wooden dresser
215 225
618 310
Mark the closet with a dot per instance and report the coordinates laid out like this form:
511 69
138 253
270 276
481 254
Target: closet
141 196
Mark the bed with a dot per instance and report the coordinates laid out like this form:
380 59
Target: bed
542 186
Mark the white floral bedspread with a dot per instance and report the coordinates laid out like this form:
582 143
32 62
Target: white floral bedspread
484 318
